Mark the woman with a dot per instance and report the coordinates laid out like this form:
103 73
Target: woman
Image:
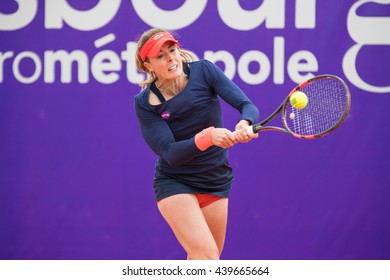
181 120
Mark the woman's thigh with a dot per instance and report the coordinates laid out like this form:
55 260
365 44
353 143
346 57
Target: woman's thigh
216 216
188 222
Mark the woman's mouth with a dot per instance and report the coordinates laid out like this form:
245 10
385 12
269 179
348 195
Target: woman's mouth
174 67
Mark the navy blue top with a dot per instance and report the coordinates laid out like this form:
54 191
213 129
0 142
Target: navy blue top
170 128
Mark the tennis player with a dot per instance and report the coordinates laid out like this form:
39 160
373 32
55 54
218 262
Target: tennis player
180 117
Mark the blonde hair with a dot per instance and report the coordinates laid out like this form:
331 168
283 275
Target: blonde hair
151 77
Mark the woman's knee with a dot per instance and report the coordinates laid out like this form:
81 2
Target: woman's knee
204 252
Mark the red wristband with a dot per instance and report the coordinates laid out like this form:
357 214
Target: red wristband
203 139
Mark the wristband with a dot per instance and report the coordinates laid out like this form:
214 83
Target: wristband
203 139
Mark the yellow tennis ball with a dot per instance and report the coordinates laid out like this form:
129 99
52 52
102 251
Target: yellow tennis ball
299 100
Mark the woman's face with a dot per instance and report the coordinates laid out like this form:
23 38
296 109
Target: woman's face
167 65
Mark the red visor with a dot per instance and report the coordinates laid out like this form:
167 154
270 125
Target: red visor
153 46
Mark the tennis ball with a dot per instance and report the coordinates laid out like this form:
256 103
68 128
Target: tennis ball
299 100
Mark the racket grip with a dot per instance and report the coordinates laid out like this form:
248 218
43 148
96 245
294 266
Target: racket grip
250 130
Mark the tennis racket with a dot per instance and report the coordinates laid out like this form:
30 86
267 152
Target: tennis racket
329 101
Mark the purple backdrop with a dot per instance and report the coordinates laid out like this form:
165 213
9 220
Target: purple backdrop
76 175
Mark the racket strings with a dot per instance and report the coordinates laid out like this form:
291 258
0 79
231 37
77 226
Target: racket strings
328 101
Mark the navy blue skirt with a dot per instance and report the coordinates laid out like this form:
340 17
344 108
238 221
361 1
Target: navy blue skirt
216 181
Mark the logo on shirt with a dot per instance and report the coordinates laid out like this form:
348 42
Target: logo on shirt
165 115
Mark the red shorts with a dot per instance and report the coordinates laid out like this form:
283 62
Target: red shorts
206 199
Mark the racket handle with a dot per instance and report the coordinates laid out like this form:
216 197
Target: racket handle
251 130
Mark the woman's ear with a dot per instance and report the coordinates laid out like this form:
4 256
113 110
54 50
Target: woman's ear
148 66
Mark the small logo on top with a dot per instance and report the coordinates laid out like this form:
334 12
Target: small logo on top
165 115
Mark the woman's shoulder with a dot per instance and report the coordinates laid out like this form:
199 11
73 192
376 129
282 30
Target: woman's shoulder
200 63
142 97
203 66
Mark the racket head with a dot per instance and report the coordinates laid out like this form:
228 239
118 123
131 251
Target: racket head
328 106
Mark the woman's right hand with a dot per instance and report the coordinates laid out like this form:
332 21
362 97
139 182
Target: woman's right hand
223 138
